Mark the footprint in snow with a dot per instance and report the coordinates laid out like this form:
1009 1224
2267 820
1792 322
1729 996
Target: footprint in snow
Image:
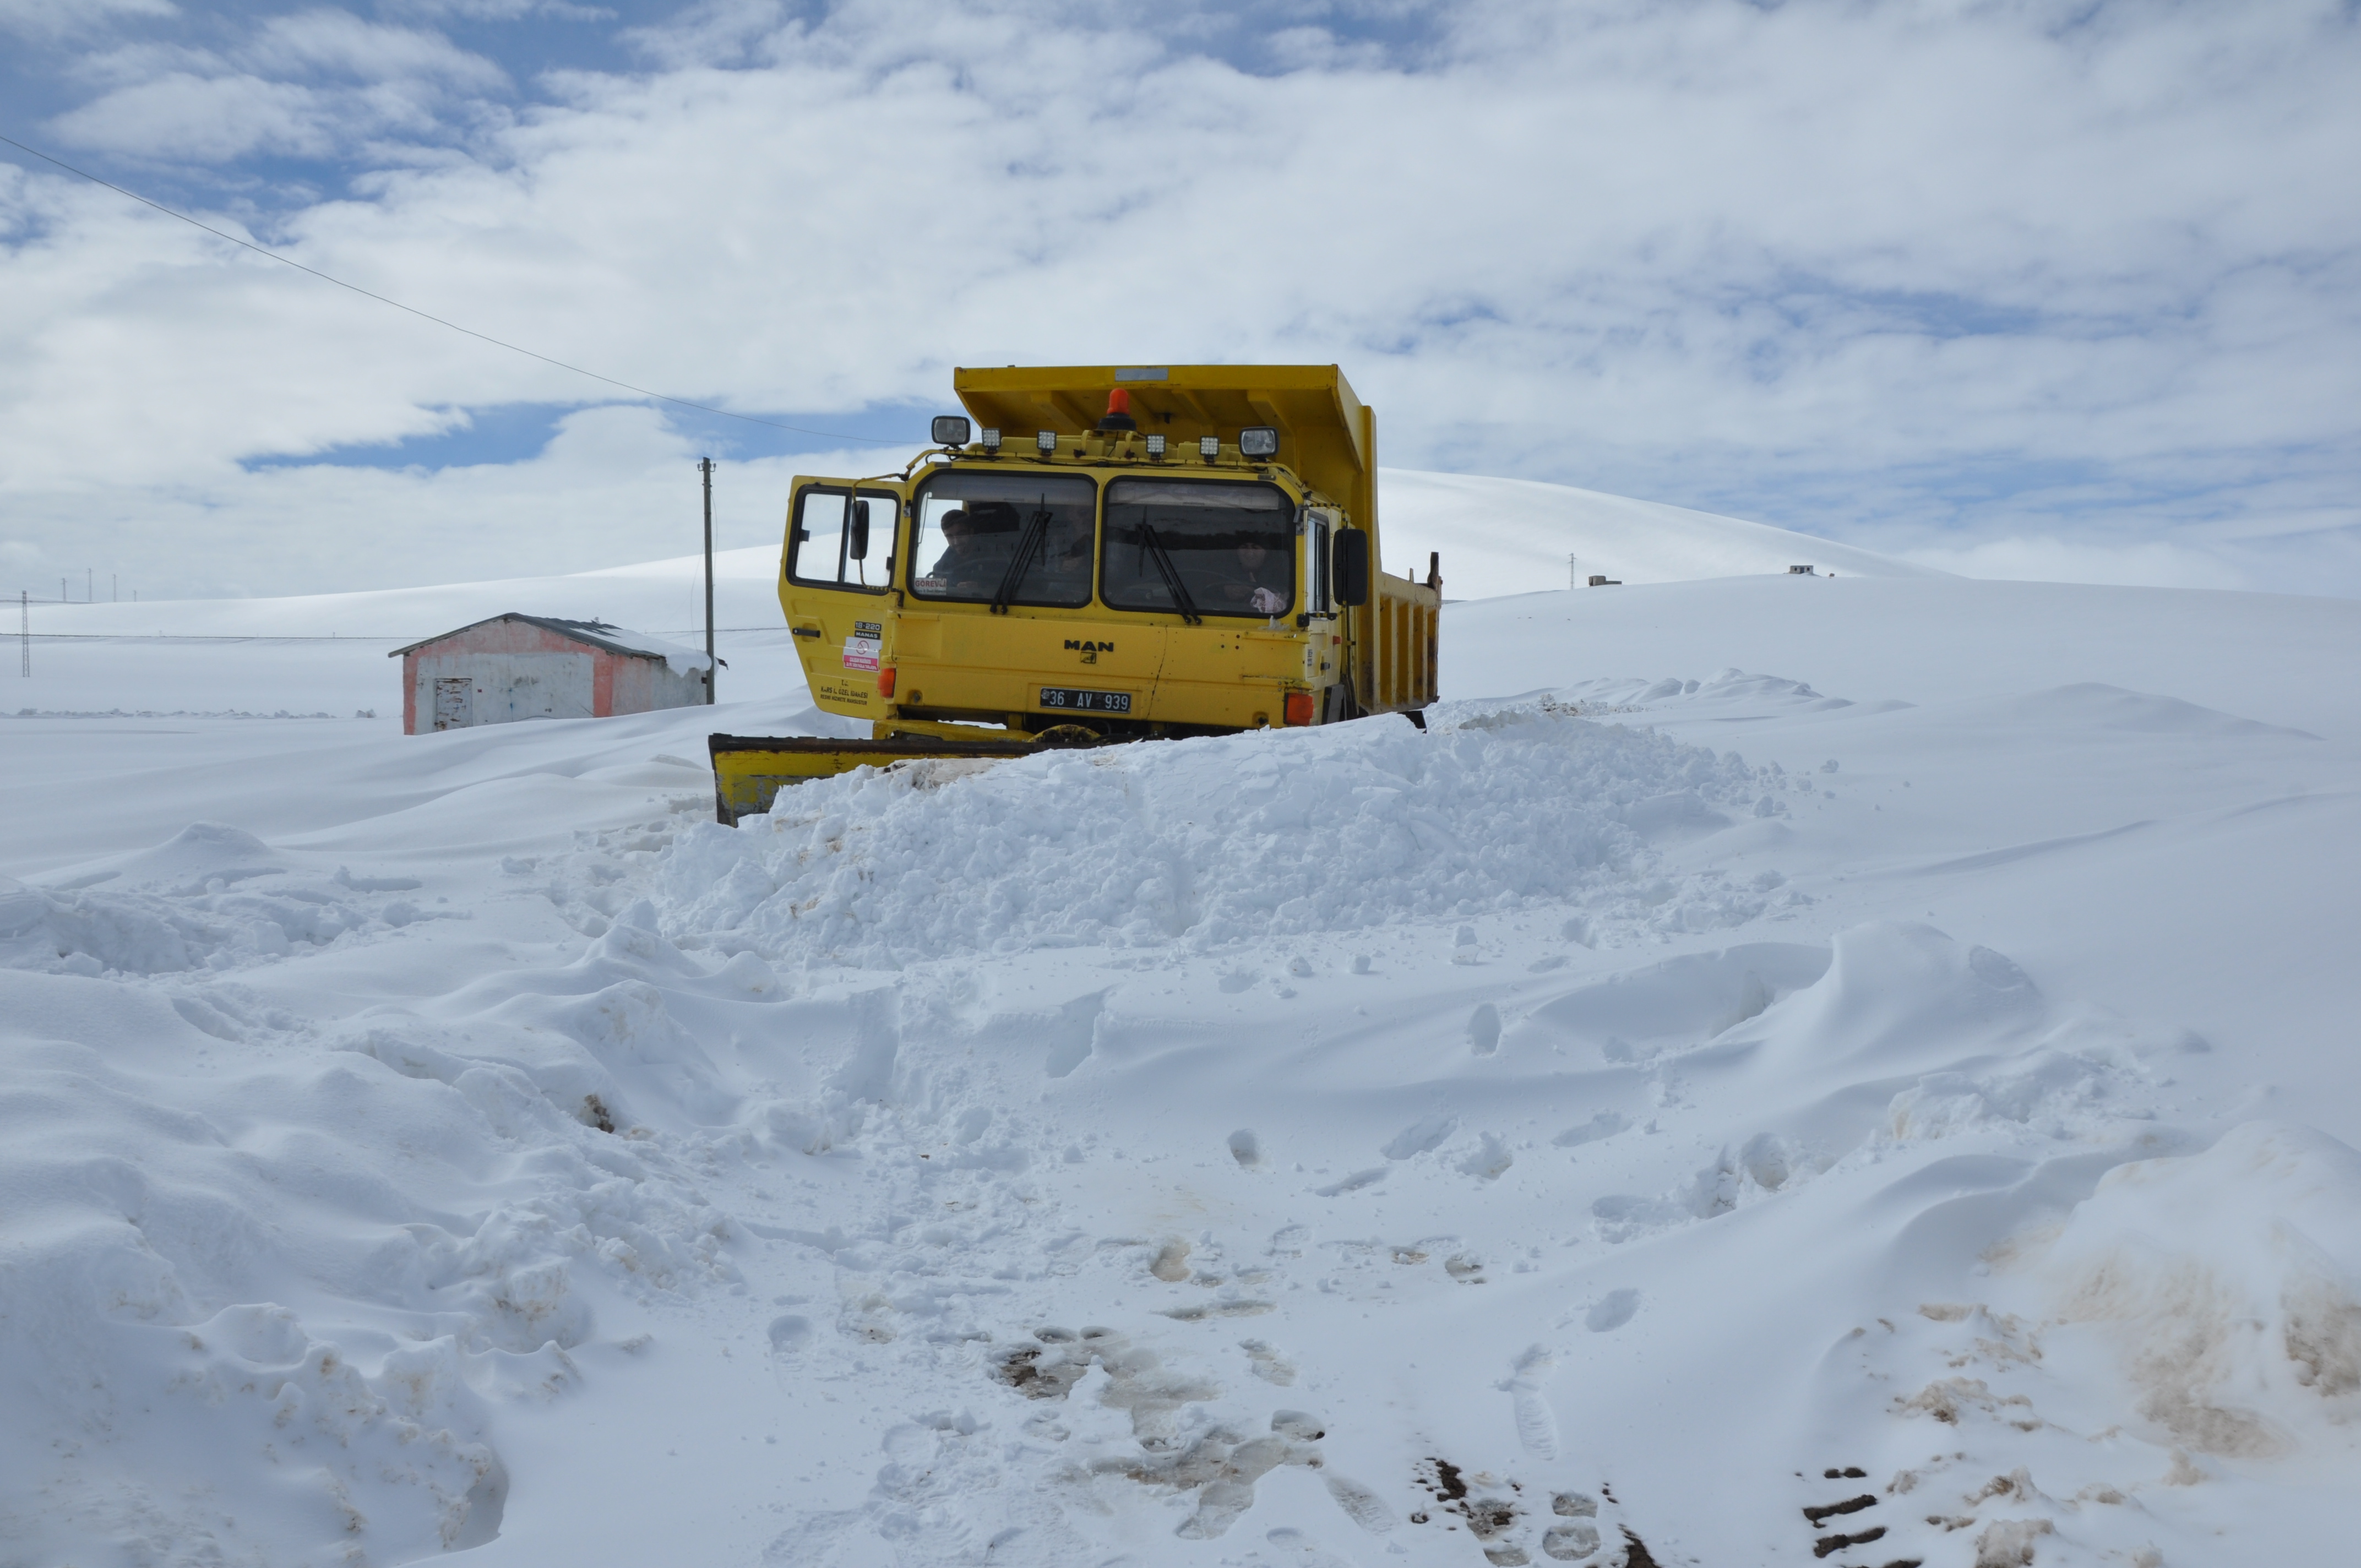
1299 1548
1536 1422
1496 1511
1422 1136
1837 1525
1491 1159
1611 1311
1267 1364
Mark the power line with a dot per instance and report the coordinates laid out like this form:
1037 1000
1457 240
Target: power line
438 321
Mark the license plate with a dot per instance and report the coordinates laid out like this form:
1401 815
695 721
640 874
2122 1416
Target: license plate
1067 699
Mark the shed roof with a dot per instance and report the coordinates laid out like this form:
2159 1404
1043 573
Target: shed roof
596 634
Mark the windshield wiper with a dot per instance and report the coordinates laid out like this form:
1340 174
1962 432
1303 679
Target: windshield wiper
1035 527
1171 575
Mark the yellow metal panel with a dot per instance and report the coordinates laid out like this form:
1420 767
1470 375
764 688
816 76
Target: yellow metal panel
1325 433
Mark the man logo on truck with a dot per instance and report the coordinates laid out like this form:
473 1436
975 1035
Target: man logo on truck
1089 650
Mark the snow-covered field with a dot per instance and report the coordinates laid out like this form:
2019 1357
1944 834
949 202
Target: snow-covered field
1784 1070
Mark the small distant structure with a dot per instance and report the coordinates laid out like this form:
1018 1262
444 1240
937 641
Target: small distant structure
1597 581
514 667
1799 571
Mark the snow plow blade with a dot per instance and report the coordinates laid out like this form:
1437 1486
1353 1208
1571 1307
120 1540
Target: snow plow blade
750 770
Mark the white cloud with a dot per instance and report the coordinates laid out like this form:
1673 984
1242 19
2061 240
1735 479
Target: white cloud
202 118
613 485
502 10
53 19
337 41
307 84
1930 275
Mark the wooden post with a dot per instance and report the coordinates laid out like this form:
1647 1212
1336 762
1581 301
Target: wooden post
712 665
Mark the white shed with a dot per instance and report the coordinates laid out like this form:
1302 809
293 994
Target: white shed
530 666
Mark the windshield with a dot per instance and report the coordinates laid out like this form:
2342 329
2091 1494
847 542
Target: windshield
1007 538
1199 548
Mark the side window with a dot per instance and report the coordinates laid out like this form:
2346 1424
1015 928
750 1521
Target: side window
1317 600
842 539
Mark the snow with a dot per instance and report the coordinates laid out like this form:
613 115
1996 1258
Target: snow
682 661
1773 1042
1510 536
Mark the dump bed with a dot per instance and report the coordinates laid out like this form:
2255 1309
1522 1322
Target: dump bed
1325 435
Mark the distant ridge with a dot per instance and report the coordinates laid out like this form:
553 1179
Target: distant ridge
1497 537
1512 536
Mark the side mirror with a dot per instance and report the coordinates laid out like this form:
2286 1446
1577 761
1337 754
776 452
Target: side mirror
951 429
1351 548
856 548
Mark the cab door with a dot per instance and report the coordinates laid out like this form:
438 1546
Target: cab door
836 573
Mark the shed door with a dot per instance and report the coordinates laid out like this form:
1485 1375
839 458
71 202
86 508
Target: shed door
455 706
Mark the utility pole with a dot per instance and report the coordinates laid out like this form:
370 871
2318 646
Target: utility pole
89 583
712 665
24 630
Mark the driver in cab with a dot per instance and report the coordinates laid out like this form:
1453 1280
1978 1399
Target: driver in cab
960 569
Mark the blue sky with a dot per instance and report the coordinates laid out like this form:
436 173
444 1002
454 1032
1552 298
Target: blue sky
2029 289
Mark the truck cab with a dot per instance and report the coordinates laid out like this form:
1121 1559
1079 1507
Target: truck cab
1114 551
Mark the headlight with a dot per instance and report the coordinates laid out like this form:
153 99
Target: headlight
1258 441
951 429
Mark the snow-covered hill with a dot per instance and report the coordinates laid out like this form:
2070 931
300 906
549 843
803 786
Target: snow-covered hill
1785 1071
1513 536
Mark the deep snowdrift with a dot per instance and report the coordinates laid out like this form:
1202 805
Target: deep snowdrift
1224 840
1929 1138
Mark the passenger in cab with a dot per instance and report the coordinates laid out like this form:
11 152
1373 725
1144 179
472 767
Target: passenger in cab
1259 582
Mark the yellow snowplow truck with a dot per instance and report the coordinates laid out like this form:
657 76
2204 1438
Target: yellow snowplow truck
1098 554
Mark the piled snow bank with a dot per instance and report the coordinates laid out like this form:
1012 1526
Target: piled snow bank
2230 1283
1212 841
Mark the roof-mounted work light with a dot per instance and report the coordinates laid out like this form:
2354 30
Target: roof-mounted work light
951 429
1209 447
1045 440
1156 446
991 439
1257 440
